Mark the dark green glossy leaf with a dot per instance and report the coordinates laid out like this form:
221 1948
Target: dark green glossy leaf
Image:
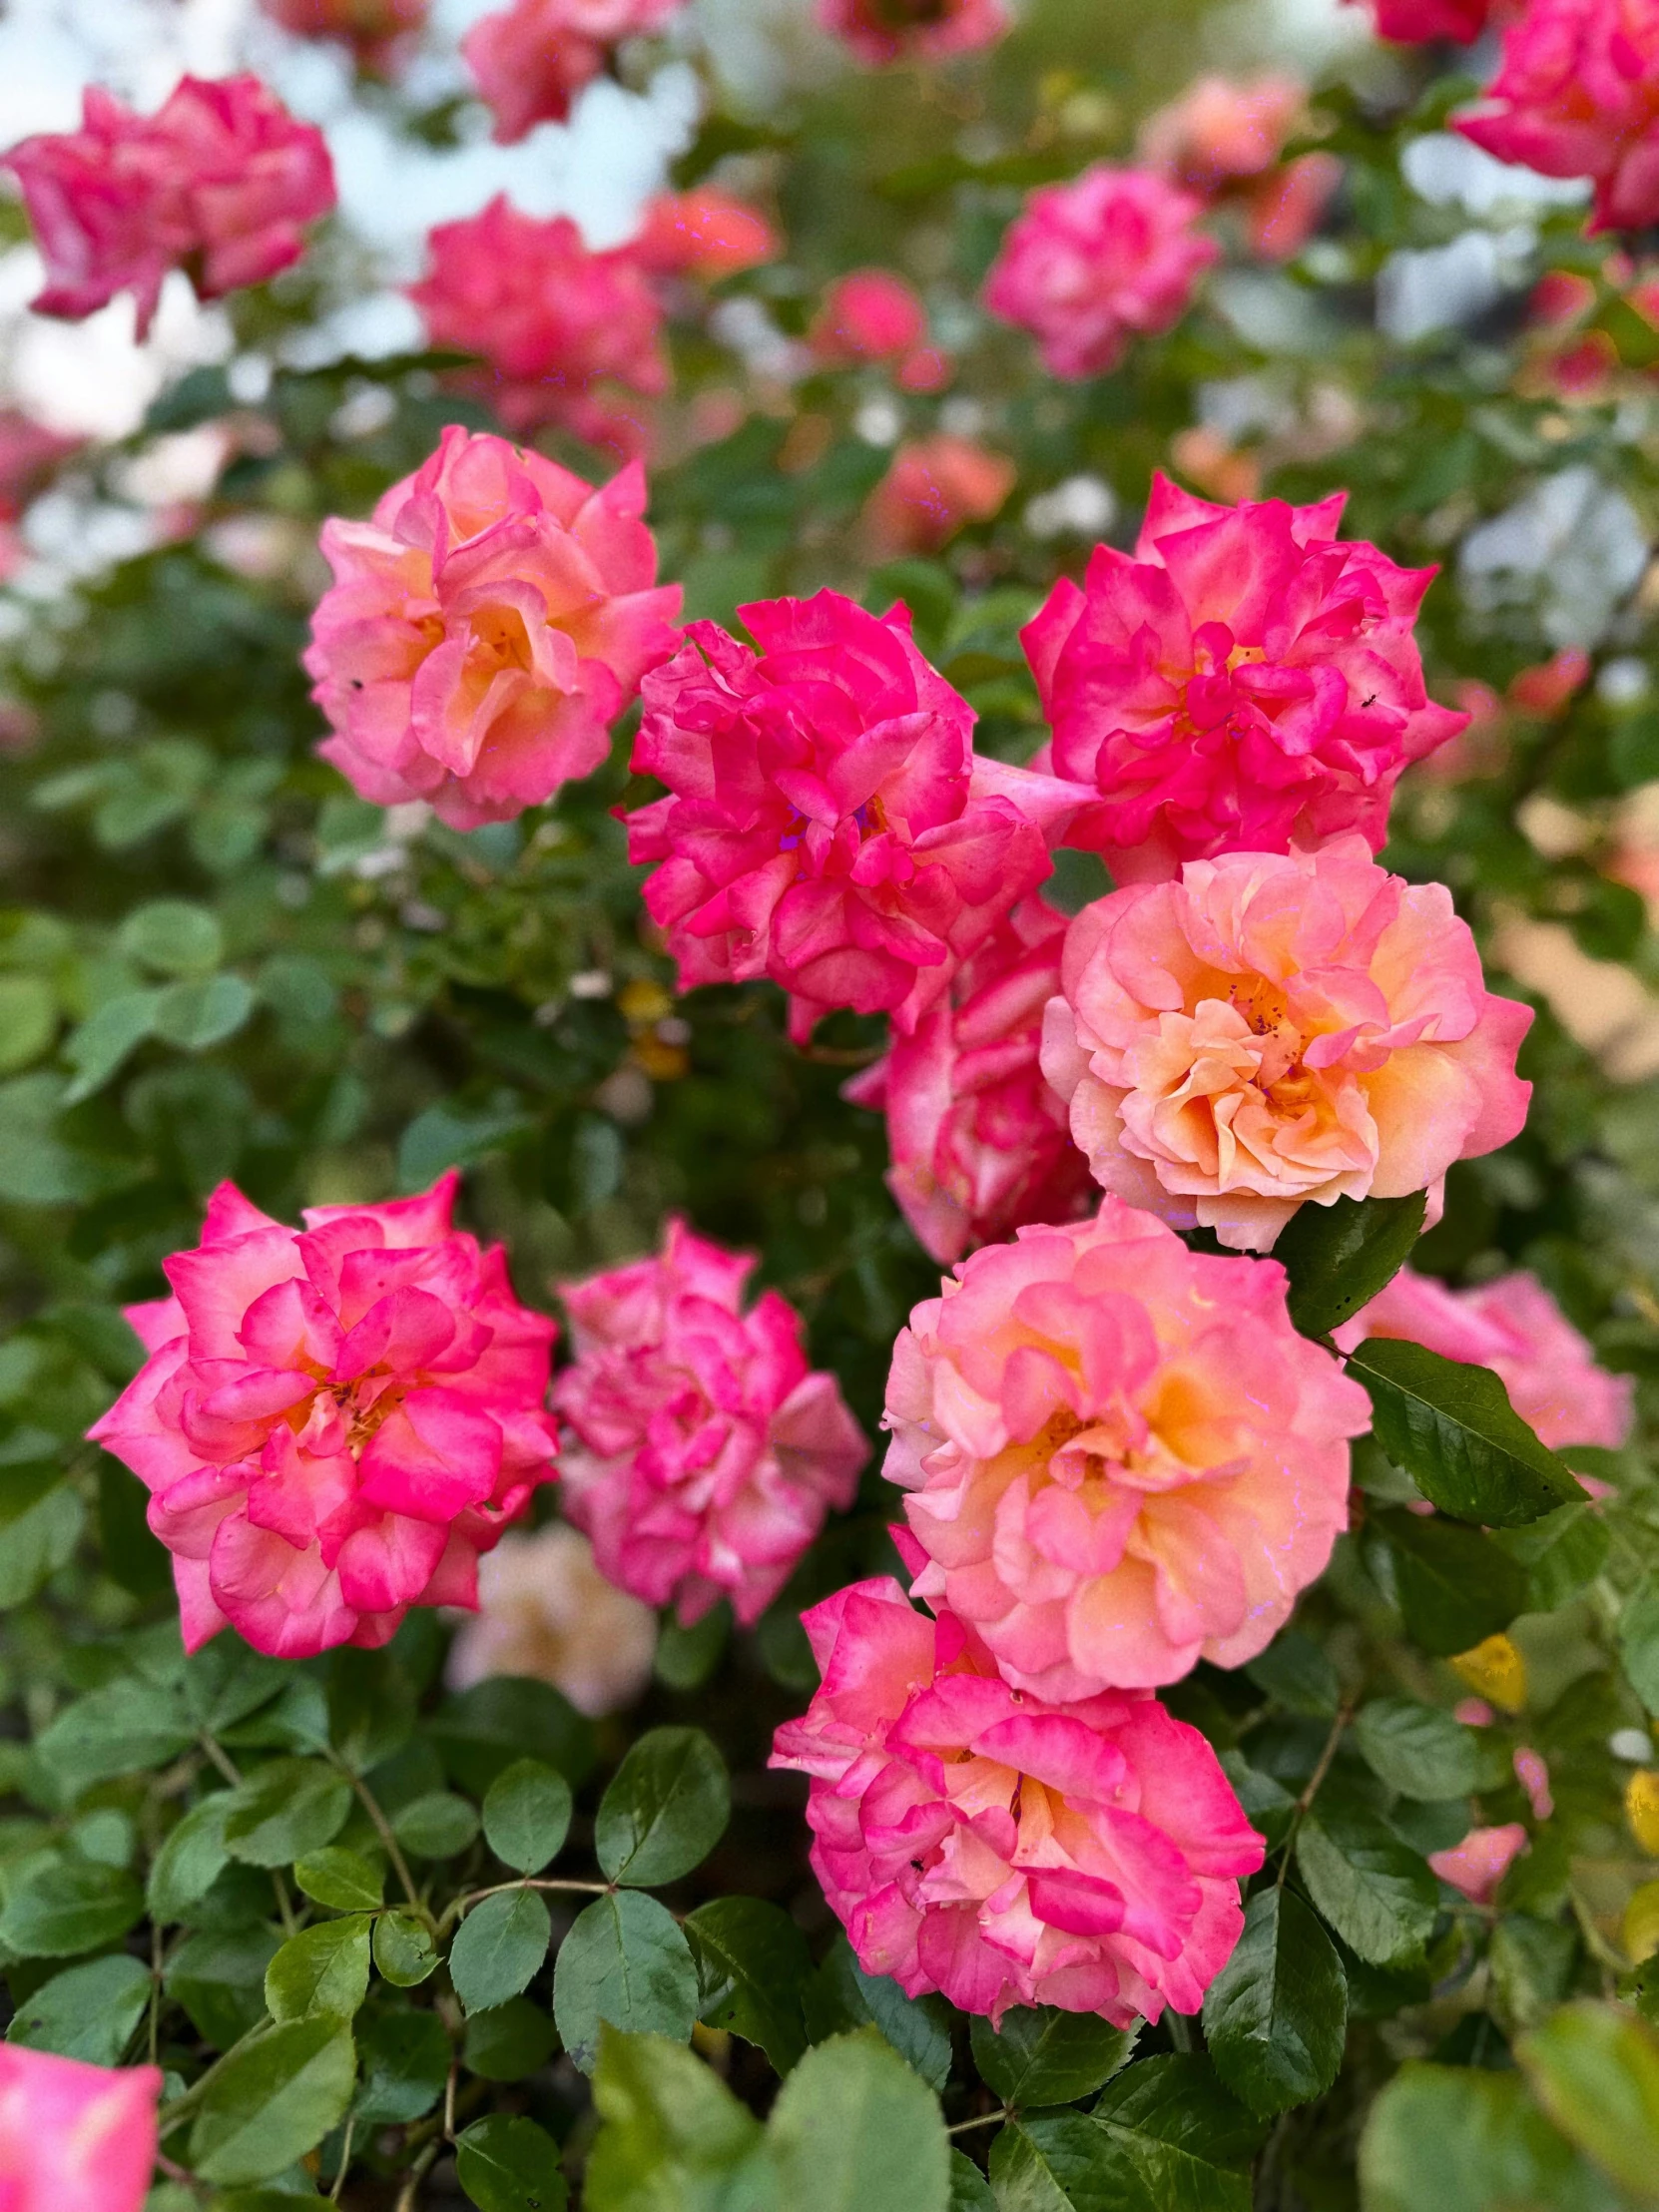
624 1960
507 2043
498 1947
752 1964
665 1810
1375 1891
1456 1588
274 2101
404 2057
87 2012
855 2131
289 1808
527 1815
1416 1749
1041 2055
403 1949
1452 1428
1275 2016
510 2165
1339 1257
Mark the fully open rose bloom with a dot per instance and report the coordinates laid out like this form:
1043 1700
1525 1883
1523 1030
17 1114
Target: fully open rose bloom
375 30
708 1453
1578 96
546 1611
485 627
1005 1850
1515 1328
979 1140
1096 263
530 60
1244 678
877 32
569 337
220 181
74 2137
1267 1031
827 823
1121 1458
333 1423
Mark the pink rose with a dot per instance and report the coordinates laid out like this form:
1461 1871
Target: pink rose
74 2137
935 487
1223 140
1002 1848
707 1451
706 232
484 628
1267 1031
531 59
30 456
827 823
1121 1456
979 1142
1578 96
376 31
1091 265
874 315
876 32
221 177
1479 1862
1244 679
1515 1328
333 1423
1425 22
1532 1773
569 337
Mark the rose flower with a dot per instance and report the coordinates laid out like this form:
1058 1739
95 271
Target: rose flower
333 1423
75 2137
1120 1456
1007 1850
876 32
530 60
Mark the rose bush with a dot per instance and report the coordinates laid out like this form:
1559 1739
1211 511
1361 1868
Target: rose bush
1037 660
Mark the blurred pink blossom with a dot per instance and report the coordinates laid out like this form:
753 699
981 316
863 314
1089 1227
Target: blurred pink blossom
221 180
877 32
872 315
1479 1862
1532 1774
1513 1327
705 233
568 337
546 1611
74 2137
1578 94
937 486
1223 140
376 31
1121 1458
707 1451
979 1142
530 60
333 1423
1265 1031
484 628
827 823
1096 263
1002 1848
1425 22
1244 679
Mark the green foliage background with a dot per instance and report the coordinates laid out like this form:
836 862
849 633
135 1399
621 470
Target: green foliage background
303 1888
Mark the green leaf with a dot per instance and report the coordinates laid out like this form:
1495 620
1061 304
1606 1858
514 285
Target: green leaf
1296 1673
498 1947
855 2131
341 1879
671 2137
509 2041
1639 1642
527 1815
1456 1588
274 2101
1041 2055
753 1963
624 1960
842 1995
1339 1257
67 1907
27 1020
1462 2139
665 1810
197 1015
103 1041
172 937
190 1860
1063 2162
1562 1554
511 1717
87 2012
321 1969
225 1682
970 2190
123 1727
289 1808
1376 1891
510 2165
1594 2067
1275 2016
1454 1431
439 1825
1174 2138
404 1954
405 2063
1416 1749
219 1978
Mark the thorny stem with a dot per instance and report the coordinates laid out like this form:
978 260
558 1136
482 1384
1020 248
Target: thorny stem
1299 1811
474 1897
